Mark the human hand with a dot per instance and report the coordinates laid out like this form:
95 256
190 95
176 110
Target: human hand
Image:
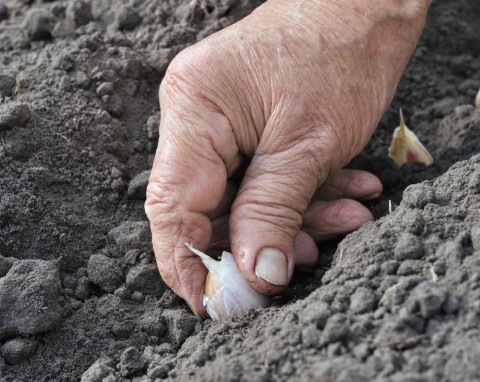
298 86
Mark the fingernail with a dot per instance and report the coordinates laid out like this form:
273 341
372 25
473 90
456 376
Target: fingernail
191 307
272 266
372 196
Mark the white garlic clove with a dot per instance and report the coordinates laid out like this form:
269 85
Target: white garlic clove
227 293
406 147
477 99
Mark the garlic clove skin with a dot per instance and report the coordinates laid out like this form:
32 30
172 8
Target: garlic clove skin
406 147
227 293
477 99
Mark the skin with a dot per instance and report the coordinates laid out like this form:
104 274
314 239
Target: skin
298 87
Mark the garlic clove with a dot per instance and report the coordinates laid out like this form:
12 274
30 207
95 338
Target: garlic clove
477 99
406 147
227 293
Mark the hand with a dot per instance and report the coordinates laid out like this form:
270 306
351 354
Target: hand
298 86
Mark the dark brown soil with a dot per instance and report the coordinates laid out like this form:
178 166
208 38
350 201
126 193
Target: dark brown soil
80 297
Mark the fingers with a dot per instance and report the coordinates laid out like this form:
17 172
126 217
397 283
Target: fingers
196 150
323 221
267 215
353 184
305 251
225 203
326 220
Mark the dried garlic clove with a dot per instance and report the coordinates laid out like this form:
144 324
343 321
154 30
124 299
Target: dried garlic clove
477 99
406 147
227 293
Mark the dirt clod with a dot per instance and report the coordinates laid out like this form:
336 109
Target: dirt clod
427 299
6 85
18 350
131 362
145 278
100 371
127 18
408 247
132 235
105 272
79 12
418 196
14 115
363 300
29 297
137 187
37 24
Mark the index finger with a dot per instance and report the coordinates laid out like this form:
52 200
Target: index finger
195 150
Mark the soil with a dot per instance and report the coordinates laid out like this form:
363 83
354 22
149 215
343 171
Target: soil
80 297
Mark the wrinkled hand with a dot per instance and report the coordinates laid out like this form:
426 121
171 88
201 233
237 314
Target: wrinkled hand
298 86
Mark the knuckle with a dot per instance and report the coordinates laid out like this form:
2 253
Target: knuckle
160 200
176 79
261 208
186 70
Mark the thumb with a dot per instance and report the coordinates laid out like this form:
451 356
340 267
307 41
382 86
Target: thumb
267 214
